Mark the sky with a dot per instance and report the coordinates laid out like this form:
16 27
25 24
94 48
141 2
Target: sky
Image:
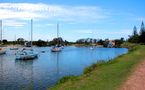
77 19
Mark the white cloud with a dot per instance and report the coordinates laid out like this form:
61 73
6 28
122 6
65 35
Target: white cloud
44 11
13 23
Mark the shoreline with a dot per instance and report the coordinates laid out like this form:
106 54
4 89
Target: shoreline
107 76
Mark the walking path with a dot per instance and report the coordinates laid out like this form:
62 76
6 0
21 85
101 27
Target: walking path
137 79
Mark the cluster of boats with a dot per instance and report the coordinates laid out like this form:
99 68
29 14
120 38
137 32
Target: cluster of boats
27 53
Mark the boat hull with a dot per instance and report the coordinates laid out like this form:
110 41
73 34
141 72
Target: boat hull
2 52
26 55
14 48
56 49
30 57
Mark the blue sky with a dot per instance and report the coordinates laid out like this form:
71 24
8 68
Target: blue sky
77 18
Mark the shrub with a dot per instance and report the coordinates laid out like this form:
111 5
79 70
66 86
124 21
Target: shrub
93 66
67 78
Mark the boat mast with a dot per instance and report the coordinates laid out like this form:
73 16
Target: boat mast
58 34
1 31
57 30
31 32
15 38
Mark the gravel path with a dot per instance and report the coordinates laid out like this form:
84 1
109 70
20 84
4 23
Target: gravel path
137 79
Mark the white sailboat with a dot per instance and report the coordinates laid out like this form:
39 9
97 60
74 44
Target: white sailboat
27 54
57 48
2 50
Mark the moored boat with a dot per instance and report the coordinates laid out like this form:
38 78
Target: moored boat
14 48
27 54
2 50
57 48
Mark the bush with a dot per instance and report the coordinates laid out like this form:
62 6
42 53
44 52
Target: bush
93 66
129 46
67 78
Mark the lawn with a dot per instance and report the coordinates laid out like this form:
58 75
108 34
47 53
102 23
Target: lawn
105 76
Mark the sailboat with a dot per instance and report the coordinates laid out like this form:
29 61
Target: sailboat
57 48
2 51
27 54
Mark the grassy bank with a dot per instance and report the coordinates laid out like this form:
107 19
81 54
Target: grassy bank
106 75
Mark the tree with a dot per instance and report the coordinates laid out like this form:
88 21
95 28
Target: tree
135 31
134 38
142 33
56 41
122 39
66 42
20 40
100 42
5 41
142 29
106 42
118 42
40 43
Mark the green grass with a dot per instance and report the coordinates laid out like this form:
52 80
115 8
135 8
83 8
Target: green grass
104 76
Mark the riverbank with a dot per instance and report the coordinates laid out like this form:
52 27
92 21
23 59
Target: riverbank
136 80
106 76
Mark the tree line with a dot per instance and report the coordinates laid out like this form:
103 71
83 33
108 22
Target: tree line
138 36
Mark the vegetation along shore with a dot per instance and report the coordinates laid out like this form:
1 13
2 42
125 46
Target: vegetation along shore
104 75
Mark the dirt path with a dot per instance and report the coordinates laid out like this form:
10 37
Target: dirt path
137 80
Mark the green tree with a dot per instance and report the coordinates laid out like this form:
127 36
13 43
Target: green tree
142 29
142 33
134 38
20 41
135 31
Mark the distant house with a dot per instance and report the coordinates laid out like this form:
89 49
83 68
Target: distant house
111 44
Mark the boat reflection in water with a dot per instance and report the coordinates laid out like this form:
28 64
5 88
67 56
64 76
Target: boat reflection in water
1 73
25 74
44 72
31 79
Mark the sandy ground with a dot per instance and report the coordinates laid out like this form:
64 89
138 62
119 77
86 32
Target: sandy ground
137 79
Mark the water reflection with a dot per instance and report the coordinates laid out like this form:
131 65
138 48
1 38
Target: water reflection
25 73
57 64
45 71
1 73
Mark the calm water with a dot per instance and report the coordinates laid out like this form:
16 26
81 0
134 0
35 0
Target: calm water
44 72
